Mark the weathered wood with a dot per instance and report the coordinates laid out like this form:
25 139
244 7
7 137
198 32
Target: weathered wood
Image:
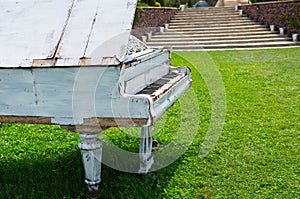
94 125
30 30
43 62
25 119
84 61
107 122
65 92
69 95
36 32
97 122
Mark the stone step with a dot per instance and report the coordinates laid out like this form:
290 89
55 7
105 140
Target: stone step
204 16
211 13
230 3
218 29
230 46
221 20
155 38
210 9
211 22
216 20
214 42
216 13
210 25
207 13
203 11
207 34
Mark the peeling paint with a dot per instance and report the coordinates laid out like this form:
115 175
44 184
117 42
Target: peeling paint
40 31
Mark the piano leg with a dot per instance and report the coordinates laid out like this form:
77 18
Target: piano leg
146 159
91 151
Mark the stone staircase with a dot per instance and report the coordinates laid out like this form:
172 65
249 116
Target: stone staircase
216 28
231 3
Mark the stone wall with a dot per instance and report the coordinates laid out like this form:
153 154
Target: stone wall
154 16
151 18
281 14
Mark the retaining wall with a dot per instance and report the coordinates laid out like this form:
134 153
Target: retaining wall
281 14
151 18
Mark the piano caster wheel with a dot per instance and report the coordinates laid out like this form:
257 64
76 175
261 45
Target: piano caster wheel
156 144
93 191
94 195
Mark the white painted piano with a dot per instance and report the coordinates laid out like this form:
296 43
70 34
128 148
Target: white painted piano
74 63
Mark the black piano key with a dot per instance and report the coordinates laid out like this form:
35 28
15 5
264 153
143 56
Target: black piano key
152 88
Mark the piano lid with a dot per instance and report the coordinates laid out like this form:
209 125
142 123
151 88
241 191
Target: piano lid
64 32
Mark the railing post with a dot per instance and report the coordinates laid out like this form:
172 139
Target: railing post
295 37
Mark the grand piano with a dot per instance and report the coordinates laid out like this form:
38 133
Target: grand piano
75 64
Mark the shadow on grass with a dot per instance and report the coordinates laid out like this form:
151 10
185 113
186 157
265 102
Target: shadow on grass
63 177
117 184
35 177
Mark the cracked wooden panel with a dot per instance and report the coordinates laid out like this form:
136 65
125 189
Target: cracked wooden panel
99 29
109 37
60 33
30 30
77 33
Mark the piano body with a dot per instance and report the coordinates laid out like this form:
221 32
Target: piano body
74 63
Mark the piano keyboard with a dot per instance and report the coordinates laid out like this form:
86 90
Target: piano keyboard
159 87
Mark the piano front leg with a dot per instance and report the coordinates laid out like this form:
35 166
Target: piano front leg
145 153
91 151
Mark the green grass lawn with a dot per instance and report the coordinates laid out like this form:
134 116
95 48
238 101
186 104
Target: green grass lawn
256 155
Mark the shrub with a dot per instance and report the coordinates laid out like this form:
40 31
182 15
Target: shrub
294 21
163 2
142 4
157 4
176 3
151 2
147 2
